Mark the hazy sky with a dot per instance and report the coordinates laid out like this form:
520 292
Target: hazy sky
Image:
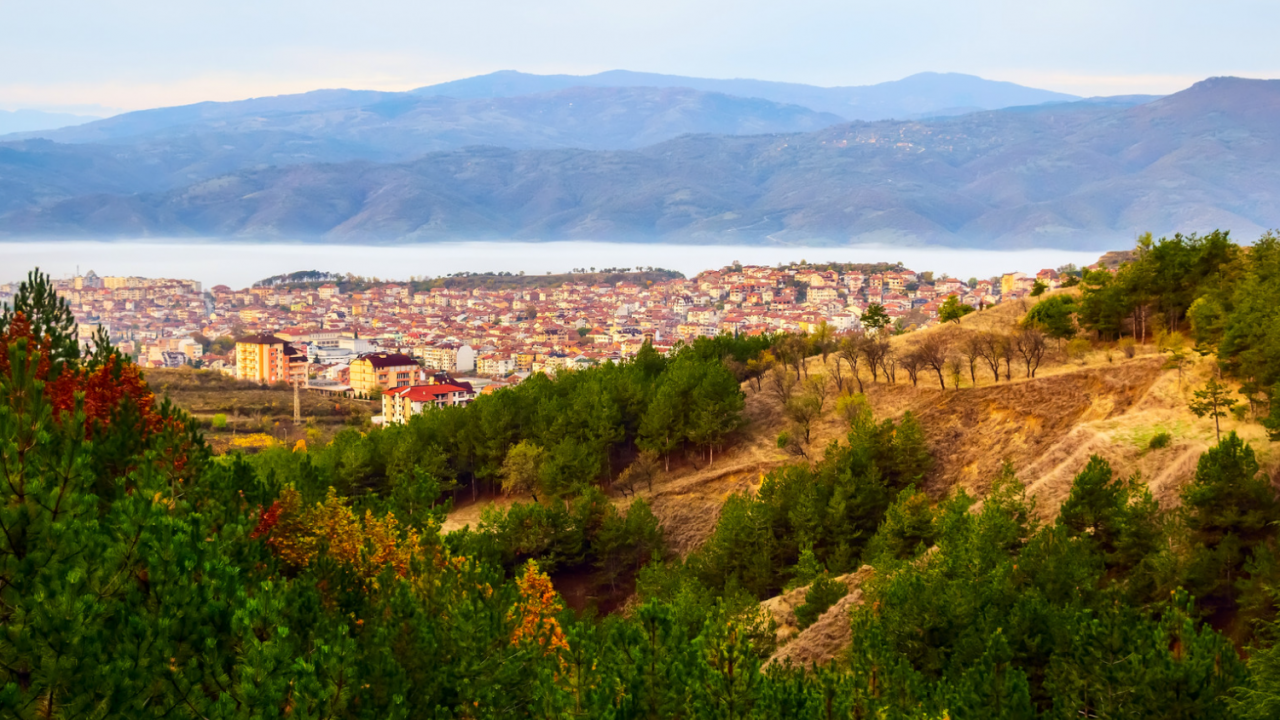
130 54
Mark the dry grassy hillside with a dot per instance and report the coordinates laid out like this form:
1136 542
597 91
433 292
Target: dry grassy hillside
827 636
1046 427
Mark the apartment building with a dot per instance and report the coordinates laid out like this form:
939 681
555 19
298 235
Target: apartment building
384 371
267 359
449 357
402 403
495 364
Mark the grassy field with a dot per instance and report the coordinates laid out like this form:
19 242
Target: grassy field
255 414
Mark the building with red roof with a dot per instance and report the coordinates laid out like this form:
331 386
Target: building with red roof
402 403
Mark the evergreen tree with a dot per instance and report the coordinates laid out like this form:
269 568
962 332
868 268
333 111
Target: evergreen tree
1230 509
1259 697
1054 316
875 318
522 470
1118 515
48 316
716 410
952 309
1272 420
824 592
1213 401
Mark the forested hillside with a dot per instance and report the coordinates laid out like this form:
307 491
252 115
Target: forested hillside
1070 175
145 576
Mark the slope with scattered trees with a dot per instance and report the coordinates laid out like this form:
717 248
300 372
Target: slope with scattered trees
313 583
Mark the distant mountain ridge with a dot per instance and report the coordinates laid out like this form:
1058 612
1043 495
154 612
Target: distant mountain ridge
14 121
401 126
167 148
923 94
1081 175
918 95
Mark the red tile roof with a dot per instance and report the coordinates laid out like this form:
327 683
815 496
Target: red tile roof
425 393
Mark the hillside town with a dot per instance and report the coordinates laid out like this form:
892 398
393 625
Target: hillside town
386 337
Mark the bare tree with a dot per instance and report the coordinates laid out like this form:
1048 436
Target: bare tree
780 384
1007 352
758 367
823 339
874 351
989 345
641 471
818 388
790 351
789 442
850 350
933 350
803 410
912 363
1031 345
889 363
971 348
801 354
955 369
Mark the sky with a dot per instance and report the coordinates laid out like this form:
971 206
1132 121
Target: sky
105 56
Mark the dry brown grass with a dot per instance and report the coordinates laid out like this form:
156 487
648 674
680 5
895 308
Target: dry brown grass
251 408
827 637
1046 426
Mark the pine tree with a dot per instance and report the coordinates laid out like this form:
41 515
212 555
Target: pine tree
1272 420
48 316
1214 401
1229 509
1118 515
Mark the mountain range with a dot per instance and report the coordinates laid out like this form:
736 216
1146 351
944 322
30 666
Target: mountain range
14 121
919 95
618 156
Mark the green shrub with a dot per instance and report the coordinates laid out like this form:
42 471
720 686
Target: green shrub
823 593
1077 349
1159 440
1128 346
220 421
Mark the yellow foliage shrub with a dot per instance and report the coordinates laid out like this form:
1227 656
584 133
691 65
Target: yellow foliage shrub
256 440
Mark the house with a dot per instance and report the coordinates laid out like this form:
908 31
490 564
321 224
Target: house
450 357
843 321
702 316
1010 282
267 359
400 404
495 364
821 294
1049 278
383 371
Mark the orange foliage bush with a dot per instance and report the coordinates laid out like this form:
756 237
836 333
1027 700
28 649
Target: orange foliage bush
104 387
535 612
367 547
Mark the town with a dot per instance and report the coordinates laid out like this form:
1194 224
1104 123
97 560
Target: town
445 344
